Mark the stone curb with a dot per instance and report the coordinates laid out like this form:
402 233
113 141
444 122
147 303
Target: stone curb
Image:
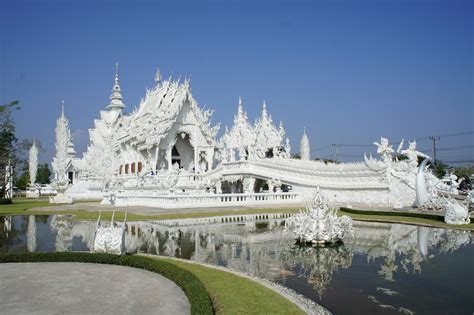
305 304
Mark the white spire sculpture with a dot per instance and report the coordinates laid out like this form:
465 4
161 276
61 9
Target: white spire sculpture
267 136
116 99
33 163
158 77
33 191
62 160
241 136
304 146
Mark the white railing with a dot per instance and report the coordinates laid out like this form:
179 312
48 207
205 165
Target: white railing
204 200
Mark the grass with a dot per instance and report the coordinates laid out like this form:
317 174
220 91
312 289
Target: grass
232 294
208 290
407 218
27 207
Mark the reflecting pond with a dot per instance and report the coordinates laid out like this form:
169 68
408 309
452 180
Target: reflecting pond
384 269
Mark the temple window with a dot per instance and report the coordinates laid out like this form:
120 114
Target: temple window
121 168
126 168
133 168
139 167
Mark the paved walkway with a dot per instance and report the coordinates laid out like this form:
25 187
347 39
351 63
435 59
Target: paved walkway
79 288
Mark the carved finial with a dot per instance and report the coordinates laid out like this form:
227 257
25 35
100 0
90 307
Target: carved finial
305 150
62 109
158 77
116 99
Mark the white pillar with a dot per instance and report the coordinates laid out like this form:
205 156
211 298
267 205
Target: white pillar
169 159
196 158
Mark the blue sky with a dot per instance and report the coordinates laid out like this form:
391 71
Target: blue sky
350 71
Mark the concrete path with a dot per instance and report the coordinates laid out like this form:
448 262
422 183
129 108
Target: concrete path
79 288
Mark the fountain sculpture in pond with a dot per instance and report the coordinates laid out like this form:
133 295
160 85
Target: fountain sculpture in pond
110 239
319 224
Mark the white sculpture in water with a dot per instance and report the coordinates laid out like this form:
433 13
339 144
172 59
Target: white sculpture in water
304 146
110 239
62 160
319 224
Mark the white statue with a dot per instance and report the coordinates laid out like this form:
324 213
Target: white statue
319 224
384 149
110 239
304 146
412 153
456 213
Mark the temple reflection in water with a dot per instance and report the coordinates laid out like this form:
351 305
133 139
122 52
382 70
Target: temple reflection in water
260 248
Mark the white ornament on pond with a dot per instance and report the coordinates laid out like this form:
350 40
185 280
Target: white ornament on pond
110 239
319 224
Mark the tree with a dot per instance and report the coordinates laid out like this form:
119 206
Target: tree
439 168
9 158
44 174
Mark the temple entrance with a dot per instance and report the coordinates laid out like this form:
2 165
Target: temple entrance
182 153
70 176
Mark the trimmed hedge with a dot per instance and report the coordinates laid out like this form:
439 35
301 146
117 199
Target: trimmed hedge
188 282
395 213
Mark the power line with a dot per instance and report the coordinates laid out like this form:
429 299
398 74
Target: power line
456 148
459 162
463 133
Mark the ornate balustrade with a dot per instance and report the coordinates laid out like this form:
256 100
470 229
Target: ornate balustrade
359 177
203 200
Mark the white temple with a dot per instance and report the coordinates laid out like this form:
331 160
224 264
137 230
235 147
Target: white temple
166 153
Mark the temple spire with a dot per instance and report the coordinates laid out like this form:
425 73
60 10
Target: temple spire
116 99
240 108
158 77
62 109
305 150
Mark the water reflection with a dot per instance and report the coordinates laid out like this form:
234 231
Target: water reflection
411 243
318 264
394 254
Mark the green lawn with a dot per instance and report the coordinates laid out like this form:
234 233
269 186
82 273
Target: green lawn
20 206
208 290
409 218
232 294
27 207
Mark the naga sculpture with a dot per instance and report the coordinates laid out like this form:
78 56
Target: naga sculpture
319 225
456 213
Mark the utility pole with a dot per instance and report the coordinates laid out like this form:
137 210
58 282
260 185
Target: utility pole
434 139
337 151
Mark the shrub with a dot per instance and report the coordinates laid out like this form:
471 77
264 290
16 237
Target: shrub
188 282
